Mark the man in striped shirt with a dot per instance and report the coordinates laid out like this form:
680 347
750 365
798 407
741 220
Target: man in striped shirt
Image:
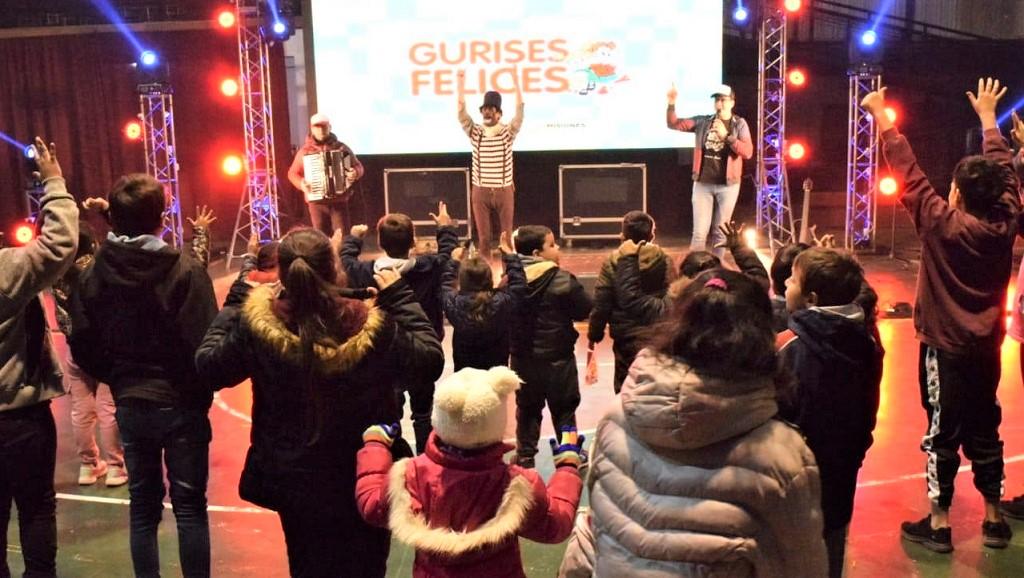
493 188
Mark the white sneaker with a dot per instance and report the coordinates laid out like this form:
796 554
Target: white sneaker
88 474
116 476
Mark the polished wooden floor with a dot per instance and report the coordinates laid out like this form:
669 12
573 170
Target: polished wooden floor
93 521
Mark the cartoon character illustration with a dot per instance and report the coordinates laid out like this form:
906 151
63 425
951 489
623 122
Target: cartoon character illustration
598 68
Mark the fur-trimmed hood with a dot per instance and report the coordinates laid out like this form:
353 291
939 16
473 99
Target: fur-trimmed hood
263 312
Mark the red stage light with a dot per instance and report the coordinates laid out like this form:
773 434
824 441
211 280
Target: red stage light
133 130
226 18
797 151
888 186
792 5
797 77
891 113
24 233
229 87
232 165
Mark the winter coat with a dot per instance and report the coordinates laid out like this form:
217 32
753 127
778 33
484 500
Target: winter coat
464 511
691 476
422 273
543 326
656 272
138 316
837 366
739 142
296 172
482 344
29 370
353 371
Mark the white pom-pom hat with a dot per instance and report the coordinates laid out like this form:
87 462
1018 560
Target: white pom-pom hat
471 406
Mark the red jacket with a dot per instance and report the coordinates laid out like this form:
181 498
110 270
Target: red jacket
740 144
464 513
297 170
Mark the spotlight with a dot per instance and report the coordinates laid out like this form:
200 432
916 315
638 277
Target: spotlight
792 5
890 112
232 165
740 14
24 233
797 77
869 37
279 28
133 130
30 152
148 58
797 151
750 236
226 18
888 186
229 87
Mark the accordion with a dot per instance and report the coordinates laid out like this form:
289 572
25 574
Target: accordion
325 173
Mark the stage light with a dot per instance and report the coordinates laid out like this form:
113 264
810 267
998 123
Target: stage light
750 236
792 5
133 130
232 165
890 113
279 28
29 152
148 58
226 18
797 151
868 38
888 186
24 233
797 77
229 87
740 14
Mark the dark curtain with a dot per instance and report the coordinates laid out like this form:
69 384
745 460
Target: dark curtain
79 91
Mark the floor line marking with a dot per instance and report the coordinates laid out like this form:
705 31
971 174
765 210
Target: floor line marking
167 506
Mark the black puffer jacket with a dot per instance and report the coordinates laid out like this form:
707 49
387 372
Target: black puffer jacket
543 326
656 272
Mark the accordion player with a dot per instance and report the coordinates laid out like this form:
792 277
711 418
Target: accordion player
328 175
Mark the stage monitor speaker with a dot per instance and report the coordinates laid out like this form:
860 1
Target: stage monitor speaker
416 192
593 198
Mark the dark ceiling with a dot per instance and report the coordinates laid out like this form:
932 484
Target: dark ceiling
34 13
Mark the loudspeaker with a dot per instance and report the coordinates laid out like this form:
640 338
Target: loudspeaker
593 198
416 193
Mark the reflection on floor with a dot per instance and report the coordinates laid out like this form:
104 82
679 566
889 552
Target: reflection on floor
93 521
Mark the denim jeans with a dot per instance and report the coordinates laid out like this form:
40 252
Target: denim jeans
181 438
712 206
28 453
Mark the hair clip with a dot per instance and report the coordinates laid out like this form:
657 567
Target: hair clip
717 283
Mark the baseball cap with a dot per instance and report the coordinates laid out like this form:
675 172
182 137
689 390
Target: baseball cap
319 118
724 90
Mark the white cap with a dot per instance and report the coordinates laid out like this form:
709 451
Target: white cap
724 90
319 118
471 406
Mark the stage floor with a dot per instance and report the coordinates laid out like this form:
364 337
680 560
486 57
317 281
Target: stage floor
93 521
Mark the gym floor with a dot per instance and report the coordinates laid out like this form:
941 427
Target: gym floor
247 541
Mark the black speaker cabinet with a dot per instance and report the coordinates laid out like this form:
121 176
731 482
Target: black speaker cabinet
416 193
593 198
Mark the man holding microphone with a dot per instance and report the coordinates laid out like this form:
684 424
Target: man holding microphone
722 142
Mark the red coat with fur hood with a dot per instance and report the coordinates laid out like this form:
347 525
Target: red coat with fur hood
464 511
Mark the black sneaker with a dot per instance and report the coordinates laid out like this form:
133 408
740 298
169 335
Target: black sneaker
1013 508
996 534
937 540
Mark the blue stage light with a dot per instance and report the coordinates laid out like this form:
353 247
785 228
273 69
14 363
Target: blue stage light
148 58
868 37
30 152
740 14
279 28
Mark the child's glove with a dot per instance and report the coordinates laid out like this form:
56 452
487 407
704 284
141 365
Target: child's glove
570 452
382 433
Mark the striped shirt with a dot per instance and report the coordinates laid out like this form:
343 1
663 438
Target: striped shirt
492 148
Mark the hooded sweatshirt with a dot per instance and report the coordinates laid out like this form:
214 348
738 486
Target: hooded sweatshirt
690 476
138 316
838 369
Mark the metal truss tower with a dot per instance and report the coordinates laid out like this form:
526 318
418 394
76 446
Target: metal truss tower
156 104
34 195
861 161
774 217
257 212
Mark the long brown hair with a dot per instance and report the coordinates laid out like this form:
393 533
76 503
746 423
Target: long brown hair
475 277
309 274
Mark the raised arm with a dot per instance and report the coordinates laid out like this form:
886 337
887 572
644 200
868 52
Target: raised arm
464 119
200 247
517 121
674 122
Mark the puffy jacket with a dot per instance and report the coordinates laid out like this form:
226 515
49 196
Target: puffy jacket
691 476
656 271
464 511
838 370
543 326
482 344
29 371
138 316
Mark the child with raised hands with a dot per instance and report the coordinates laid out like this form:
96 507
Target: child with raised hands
459 504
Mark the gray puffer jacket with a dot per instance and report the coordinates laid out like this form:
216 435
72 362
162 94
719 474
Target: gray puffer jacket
693 477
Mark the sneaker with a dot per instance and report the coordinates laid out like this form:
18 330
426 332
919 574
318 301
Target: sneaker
996 534
937 540
88 474
116 476
1013 508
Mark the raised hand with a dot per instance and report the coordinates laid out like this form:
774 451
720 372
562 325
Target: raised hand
204 217
359 231
98 204
336 240
672 94
253 246
459 253
386 278
504 245
442 218
46 160
382 433
874 102
460 86
628 247
733 235
569 450
985 101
